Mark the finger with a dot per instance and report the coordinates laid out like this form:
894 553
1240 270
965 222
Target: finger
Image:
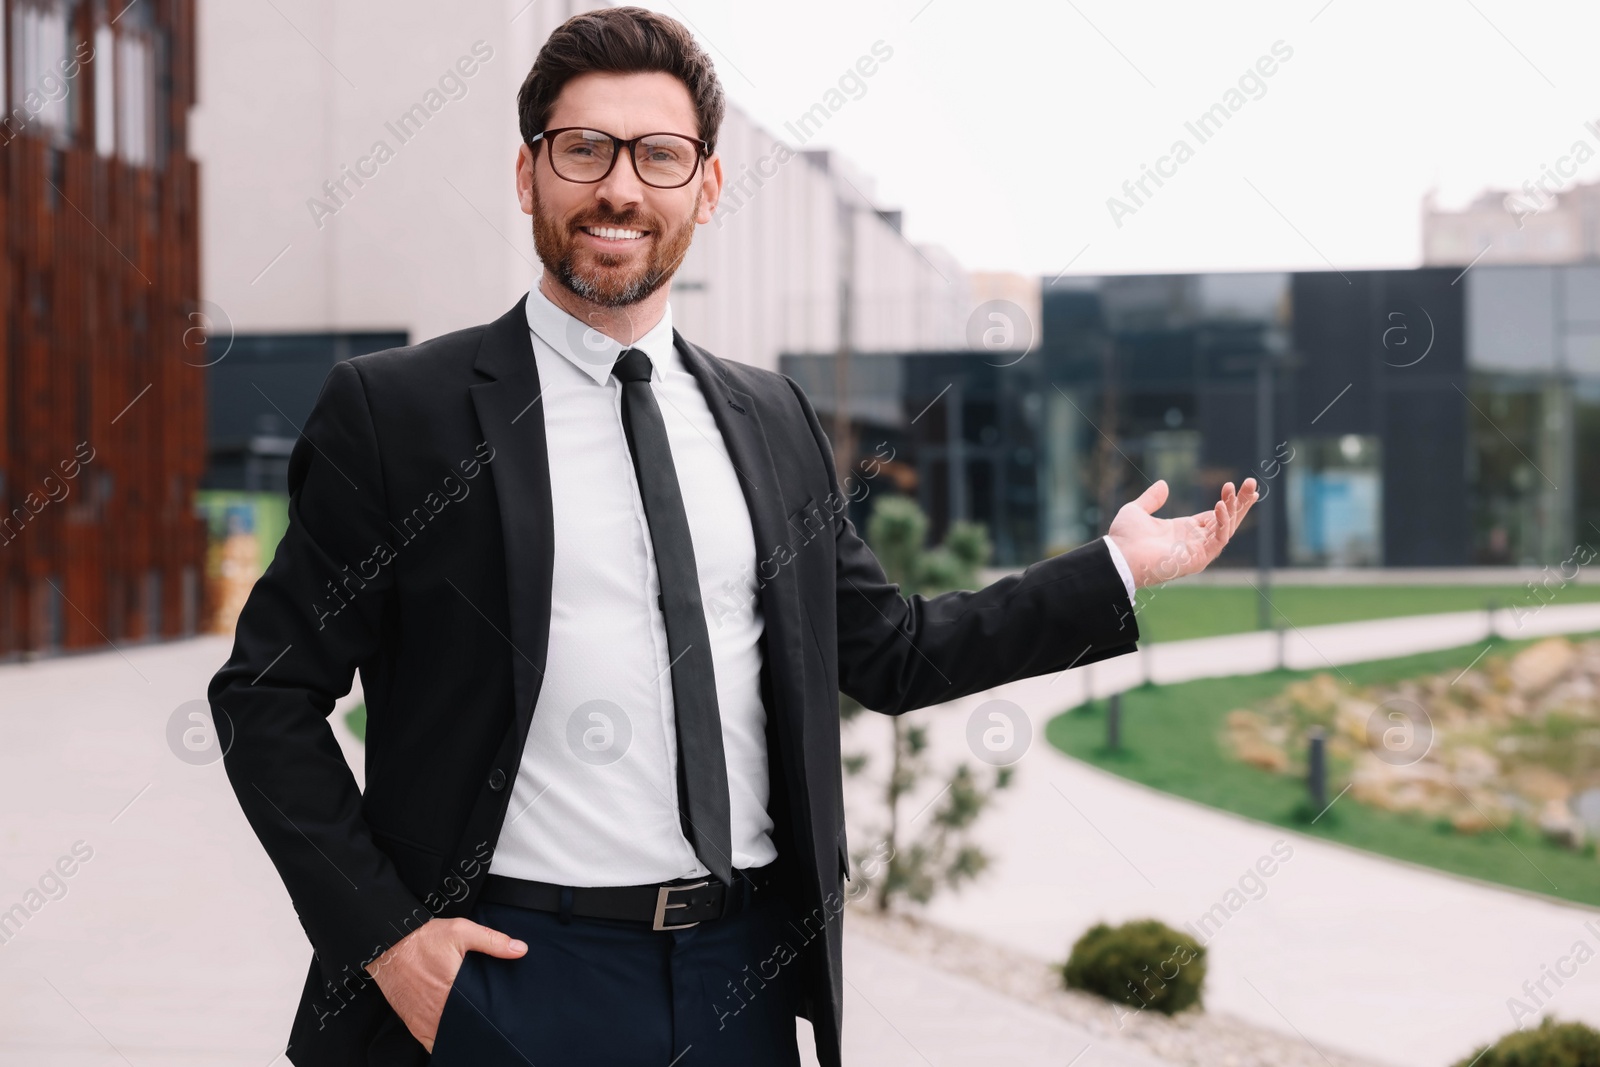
477 938
1206 526
1238 503
1151 499
1226 498
1243 499
1236 514
1252 494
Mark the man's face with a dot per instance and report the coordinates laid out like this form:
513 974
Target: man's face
575 225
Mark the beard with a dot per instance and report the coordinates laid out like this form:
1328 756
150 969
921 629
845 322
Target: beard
601 277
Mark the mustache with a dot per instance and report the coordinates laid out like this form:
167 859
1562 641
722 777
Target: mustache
627 220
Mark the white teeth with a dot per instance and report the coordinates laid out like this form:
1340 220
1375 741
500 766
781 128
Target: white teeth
612 233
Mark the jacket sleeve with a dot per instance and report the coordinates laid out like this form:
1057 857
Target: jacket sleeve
310 620
899 653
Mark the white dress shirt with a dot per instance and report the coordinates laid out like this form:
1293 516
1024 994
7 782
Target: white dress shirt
595 800
1122 566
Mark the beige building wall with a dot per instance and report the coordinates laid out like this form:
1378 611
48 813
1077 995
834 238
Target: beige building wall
996 326
323 209
1515 227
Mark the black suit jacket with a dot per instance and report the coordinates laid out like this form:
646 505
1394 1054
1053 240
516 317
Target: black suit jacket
419 552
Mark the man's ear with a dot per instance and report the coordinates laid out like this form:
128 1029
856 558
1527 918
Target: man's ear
525 163
710 189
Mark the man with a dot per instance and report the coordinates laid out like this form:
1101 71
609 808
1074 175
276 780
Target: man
603 594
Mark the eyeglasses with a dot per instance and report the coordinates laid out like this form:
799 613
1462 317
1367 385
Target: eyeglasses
661 160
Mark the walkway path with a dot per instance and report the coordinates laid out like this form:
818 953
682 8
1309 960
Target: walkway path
1351 951
173 943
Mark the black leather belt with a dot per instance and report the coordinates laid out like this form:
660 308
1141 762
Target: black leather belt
683 901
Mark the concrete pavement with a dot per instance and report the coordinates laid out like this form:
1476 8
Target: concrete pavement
173 942
1349 950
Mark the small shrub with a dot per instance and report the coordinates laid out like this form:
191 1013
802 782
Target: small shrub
1551 1044
1144 963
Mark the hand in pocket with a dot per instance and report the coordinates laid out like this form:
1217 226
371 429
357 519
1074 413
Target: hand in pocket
417 972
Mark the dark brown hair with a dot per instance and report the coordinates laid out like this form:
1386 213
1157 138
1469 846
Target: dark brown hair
620 40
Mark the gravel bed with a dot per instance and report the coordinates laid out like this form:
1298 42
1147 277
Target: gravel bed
1188 1039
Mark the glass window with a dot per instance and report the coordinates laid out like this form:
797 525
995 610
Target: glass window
1174 455
1520 437
1511 318
135 82
1335 501
41 69
105 115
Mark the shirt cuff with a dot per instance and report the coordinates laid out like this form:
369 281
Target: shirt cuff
1122 565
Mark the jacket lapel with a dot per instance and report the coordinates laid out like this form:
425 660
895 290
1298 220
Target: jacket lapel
736 417
511 416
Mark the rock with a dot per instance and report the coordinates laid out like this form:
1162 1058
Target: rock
1491 705
1586 806
1419 787
1259 752
1472 766
1354 719
1247 734
1317 695
1541 784
1560 825
1496 670
1242 720
1540 665
1574 696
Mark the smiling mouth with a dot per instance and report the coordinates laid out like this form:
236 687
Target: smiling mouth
614 233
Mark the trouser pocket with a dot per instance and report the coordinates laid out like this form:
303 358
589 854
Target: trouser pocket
455 1003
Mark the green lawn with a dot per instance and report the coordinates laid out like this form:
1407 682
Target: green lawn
1178 612
1172 739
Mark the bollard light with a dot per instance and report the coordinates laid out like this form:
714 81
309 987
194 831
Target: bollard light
1317 768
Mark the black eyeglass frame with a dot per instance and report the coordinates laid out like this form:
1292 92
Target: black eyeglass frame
618 147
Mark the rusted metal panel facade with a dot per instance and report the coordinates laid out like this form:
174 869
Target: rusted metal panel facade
103 389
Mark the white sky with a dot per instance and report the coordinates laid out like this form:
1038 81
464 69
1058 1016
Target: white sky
1001 127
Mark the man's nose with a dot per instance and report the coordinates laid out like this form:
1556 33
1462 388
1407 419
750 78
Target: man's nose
621 189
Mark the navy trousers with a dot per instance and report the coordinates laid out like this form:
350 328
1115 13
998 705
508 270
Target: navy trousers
608 992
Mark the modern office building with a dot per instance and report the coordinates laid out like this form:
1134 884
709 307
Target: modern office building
1395 418
102 389
958 431
1549 220
359 159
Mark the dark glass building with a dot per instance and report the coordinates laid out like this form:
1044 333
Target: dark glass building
955 430
1414 418
260 390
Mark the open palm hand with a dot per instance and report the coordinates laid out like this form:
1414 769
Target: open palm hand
1159 550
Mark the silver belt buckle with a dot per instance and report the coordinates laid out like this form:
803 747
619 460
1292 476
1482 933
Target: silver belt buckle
662 906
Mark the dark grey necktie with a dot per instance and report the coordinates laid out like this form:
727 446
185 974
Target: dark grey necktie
702 766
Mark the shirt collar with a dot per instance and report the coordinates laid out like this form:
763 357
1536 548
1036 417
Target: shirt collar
590 350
